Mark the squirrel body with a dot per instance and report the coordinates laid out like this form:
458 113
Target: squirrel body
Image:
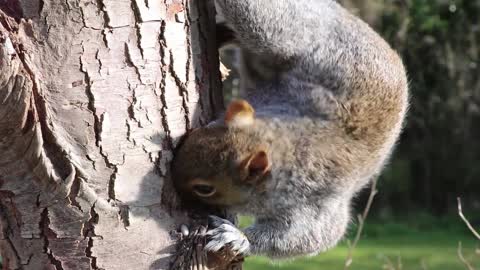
329 98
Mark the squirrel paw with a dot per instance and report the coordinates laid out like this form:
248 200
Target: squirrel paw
226 233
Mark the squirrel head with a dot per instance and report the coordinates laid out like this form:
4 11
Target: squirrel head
223 165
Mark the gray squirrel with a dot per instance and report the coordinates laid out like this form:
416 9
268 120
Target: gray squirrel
324 104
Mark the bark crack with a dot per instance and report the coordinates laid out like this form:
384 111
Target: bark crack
67 4
131 114
163 69
129 62
47 233
100 64
188 23
111 184
131 107
124 214
106 21
89 158
89 232
188 49
28 260
183 91
91 102
105 38
138 21
97 127
88 253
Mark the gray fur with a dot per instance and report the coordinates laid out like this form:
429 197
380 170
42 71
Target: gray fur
330 97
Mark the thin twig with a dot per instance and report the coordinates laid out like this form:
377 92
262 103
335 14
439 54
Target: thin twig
399 262
460 255
388 264
460 213
361 222
424 264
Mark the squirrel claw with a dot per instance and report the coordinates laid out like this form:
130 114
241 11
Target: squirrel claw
224 234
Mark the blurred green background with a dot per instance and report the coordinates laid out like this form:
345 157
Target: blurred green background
413 223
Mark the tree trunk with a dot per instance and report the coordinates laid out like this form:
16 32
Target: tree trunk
94 96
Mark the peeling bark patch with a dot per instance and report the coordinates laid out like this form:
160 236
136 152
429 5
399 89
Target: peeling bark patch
173 9
47 233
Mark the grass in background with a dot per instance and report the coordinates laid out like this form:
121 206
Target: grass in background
417 243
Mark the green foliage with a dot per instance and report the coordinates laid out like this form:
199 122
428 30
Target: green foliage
438 157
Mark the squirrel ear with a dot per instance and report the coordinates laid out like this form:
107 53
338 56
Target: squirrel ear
239 113
257 164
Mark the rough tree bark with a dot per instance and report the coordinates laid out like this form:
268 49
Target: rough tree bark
94 95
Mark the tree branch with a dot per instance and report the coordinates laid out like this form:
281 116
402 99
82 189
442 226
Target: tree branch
470 227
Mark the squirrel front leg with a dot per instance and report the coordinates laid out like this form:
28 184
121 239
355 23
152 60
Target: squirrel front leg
285 235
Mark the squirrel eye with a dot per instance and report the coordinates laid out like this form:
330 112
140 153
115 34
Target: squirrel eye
203 190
